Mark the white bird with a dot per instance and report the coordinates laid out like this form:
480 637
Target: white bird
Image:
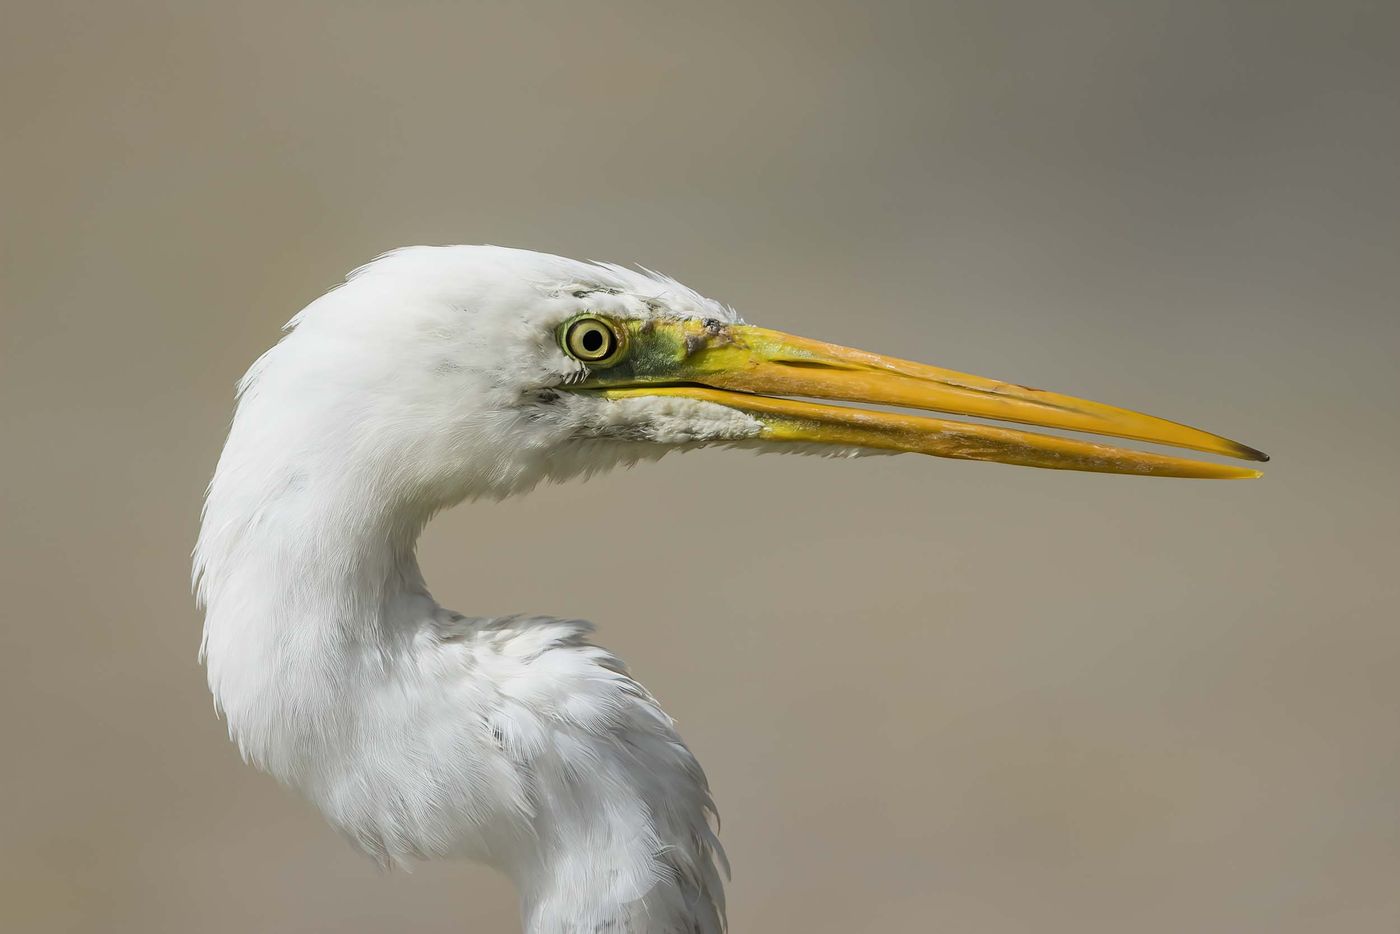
439 374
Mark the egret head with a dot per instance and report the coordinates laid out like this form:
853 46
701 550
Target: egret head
438 373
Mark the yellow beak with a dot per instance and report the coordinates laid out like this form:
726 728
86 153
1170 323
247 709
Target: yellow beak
751 369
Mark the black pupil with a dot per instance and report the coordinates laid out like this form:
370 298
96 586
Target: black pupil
592 340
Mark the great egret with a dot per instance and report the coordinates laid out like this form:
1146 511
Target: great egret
438 374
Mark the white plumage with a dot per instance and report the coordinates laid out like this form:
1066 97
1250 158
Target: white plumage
419 732
437 374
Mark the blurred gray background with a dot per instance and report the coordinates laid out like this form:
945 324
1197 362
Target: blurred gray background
930 695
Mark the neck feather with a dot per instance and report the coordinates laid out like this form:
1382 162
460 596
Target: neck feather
308 590
419 733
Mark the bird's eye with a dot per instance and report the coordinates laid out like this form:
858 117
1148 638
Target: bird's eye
592 340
